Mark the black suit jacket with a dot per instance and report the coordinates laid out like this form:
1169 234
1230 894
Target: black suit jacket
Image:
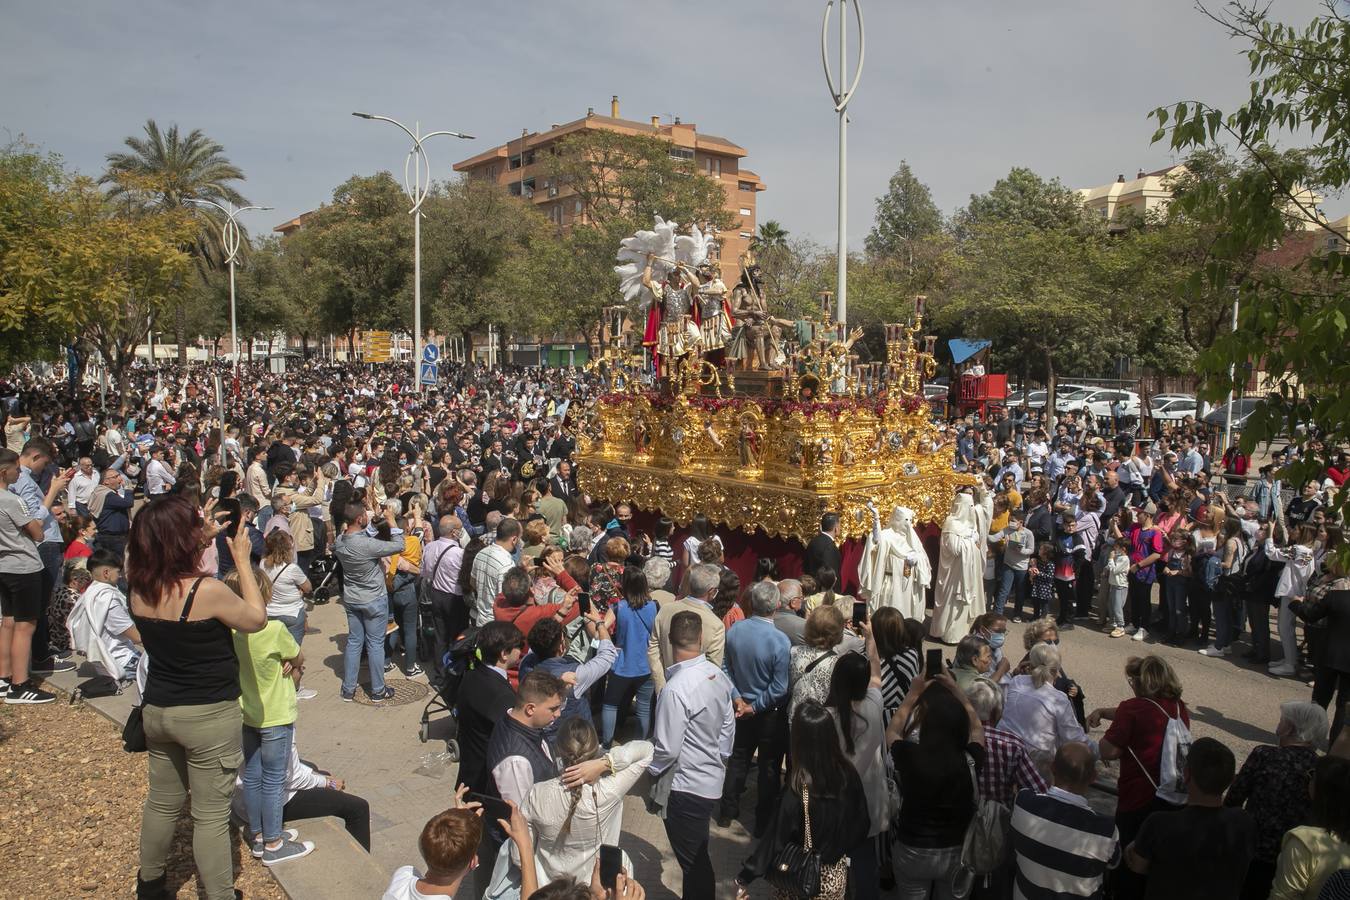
1334 611
821 552
483 696
563 490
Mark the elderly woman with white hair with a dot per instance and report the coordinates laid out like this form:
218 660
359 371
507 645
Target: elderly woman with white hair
1273 787
1037 712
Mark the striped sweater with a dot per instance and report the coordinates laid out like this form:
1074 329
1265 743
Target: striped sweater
1063 848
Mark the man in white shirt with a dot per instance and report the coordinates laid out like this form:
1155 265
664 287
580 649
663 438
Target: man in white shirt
489 566
158 475
694 734
82 485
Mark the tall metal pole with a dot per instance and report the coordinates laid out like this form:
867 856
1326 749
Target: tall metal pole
417 191
842 96
231 239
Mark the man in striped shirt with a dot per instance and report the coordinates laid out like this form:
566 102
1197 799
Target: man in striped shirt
1062 847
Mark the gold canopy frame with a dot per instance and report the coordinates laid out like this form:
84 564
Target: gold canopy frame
841 436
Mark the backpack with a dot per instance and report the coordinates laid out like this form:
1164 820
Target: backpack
1176 746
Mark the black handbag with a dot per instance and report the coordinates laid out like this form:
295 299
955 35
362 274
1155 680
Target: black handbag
796 870
133 733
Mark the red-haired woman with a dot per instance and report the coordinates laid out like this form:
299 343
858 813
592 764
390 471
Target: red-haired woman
193 727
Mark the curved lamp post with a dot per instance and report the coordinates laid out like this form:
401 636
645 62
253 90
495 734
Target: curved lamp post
231 239
417 189
842 96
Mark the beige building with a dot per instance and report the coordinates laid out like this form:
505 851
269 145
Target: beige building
518 165
1150 192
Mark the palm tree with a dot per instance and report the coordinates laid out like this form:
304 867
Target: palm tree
771 234
170 168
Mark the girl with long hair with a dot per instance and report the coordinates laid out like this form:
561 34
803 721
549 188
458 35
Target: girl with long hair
631 676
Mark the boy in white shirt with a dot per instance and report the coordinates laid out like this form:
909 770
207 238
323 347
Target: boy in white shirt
100 623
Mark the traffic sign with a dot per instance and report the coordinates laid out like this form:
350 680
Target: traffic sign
377 346
431 353
430 373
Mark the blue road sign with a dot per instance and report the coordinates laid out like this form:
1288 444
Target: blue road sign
430 372
430 353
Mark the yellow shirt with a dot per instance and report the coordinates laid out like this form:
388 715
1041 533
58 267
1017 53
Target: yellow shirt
412 552
1308 857
266 696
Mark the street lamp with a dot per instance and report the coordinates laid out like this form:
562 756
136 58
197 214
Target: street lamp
841 100
417 191
230 239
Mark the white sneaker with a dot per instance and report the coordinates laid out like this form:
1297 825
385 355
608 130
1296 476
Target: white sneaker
1214 651
306 694
1282 669
1139 635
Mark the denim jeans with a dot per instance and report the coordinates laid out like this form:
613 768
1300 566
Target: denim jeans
295 625
403 604
1013 583
267 757
1177 620
619 689
925 873
365 628
1116 595
1225 619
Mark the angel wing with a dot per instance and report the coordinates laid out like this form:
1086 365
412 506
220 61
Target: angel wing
692 249
632 256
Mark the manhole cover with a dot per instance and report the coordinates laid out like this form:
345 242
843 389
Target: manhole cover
404 692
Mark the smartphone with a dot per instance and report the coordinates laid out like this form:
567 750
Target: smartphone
494 808
233 515
611 863
859 612
933 666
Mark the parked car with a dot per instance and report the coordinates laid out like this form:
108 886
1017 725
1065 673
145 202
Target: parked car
1242 411
1066 400
933 392
1174 409
1158 399
1034 399
1105 402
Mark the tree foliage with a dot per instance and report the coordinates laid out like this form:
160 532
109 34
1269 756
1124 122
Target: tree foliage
1293 320
905 215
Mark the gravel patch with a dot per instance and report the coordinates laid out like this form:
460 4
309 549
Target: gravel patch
70 812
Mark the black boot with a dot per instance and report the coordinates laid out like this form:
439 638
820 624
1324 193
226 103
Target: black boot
152 890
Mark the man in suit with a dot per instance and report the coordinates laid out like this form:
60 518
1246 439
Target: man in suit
823 552
702 582
484 697
563 486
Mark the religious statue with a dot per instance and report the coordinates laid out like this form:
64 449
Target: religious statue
712 313
894 570
755 341
748 441
670 331
959 596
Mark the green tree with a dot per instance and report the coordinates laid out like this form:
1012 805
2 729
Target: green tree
1021 198
770 234
906 214
30 181
97 267
169 168
1294 319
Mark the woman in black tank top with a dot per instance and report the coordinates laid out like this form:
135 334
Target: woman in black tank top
190 707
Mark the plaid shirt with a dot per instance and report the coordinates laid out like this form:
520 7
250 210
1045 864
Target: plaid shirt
1007 767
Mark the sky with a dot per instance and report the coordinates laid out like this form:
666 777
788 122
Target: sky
962 91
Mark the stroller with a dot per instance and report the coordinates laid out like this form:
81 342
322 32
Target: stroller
325 573
459 659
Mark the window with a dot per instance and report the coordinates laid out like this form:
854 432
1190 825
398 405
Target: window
713 166
746 185
555 214
576 207
514 162
681 153
745 211
747 236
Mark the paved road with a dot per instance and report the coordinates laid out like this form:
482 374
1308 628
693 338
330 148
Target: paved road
376 749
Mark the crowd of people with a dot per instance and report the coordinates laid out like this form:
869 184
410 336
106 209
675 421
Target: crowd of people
590 650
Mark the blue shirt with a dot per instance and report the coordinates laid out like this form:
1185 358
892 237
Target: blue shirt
32 498
756 659
634 630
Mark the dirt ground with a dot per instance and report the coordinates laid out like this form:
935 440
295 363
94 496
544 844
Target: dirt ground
70 812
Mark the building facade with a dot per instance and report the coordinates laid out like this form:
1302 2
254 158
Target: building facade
519 166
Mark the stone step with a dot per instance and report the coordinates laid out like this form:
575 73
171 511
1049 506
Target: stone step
338 867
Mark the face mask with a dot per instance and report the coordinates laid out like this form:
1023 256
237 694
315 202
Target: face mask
996 639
